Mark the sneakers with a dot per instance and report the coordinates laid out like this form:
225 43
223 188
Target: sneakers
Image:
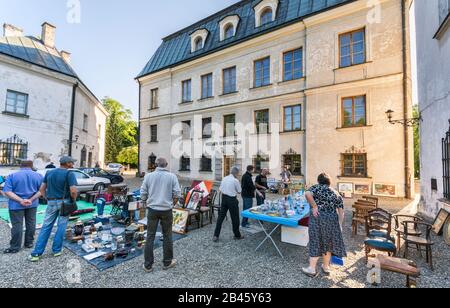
171 265
146 269
215 239
34 259
58 254
308 272
238 238
10 251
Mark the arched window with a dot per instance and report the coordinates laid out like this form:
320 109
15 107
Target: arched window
229 31
198 44
266 16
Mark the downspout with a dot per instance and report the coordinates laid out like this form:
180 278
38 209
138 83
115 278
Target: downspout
72 117
408 190
305 106
139 130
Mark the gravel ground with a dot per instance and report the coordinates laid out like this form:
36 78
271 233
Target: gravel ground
204 264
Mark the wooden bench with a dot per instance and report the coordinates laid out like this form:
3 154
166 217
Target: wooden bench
400 266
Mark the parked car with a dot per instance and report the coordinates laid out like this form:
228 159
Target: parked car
85 182
100 173
115 168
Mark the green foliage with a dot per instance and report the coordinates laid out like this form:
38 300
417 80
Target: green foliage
129 156
416 144
121 129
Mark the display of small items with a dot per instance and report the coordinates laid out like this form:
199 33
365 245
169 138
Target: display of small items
286 207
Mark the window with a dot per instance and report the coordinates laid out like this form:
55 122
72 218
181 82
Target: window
12 151
354 165
207 86
16 102
186 129
266 16
154 133
85 122
352 48
262 121
354 111
80 175
261 162
229 31
206 128
205 164
446 164
187 94
198 44
293 64
262 72
292 118
294 163
229 80
154 99
185 163
229 122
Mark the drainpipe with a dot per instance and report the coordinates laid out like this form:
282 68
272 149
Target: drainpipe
408 190
305 105
72 117
139 131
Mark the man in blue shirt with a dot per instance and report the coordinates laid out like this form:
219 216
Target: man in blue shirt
22 189
59 186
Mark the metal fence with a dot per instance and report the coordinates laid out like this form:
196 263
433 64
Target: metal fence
446 164
12 151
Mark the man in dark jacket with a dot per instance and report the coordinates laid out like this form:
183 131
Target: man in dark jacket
248 192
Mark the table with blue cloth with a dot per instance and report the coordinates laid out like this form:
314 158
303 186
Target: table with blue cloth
292 221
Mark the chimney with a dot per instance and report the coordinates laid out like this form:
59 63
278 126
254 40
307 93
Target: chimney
10 30
48 35
65 56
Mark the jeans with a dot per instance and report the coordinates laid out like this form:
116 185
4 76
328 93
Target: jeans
166 219
260 200
248 204
17 218
229 204
51 215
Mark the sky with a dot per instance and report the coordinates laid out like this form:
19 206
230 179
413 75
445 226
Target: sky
110 40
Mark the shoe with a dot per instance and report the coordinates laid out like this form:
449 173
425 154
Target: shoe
171 265
215 239
146 269
309 273
58 254
34 258
238 238
325 272
29 246
10 251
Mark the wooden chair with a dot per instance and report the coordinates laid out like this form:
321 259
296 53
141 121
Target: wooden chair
208 209
418 241
399 228
374 200
362 201
217 207
359 215
378 230
400 266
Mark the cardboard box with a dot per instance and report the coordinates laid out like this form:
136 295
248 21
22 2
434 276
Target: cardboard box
297 236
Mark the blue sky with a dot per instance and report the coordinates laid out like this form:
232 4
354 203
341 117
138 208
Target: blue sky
114 39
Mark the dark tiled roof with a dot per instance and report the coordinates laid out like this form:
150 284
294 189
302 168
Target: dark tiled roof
32 50
175 48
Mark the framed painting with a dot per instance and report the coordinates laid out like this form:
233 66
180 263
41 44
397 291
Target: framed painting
346 188
384 190
180 220
362 189
194 201
439 222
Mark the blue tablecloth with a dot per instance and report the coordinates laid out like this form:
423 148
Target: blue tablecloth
288 222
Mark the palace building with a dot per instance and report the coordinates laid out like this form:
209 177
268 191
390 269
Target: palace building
299 83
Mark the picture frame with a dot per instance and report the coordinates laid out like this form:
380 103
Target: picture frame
195 200
180 220
363 189
439 221
346 188
385 190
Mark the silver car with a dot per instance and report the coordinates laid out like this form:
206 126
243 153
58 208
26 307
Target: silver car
85 182
115 169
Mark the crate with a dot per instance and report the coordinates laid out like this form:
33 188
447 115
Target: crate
297 236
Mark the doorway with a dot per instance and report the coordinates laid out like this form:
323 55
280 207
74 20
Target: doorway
228 163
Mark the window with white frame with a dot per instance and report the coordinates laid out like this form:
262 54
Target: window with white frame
265 12
198 39
16 102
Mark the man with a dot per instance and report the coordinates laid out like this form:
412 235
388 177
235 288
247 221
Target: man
22 190
59 186
160 190
261 186
248 193
230 188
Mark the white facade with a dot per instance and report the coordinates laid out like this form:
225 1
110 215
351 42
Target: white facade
433 90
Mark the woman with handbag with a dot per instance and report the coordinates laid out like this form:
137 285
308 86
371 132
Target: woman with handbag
60 189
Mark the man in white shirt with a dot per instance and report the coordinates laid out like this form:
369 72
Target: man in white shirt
230 188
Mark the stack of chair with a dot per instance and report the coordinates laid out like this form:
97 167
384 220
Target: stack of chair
362 207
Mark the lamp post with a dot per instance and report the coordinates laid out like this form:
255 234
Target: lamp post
405 122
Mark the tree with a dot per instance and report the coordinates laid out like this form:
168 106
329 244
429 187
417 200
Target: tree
129 156
416 114
121 130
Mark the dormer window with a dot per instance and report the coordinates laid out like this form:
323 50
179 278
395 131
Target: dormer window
228 27
198 40
265 12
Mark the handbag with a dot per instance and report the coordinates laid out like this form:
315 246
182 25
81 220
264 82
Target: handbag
68 207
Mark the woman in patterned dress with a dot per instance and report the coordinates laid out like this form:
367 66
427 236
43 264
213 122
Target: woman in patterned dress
325 226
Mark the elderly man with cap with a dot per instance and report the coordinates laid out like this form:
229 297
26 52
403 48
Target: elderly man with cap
59 186
22 190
